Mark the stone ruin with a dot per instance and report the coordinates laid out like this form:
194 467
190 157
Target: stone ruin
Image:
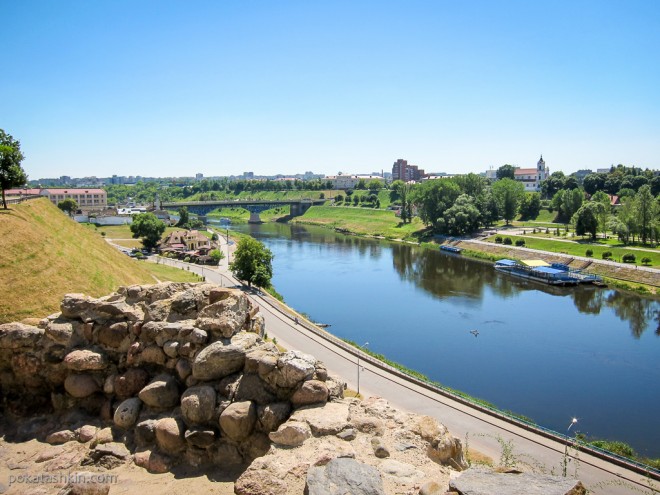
180 374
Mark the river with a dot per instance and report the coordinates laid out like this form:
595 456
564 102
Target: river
548 353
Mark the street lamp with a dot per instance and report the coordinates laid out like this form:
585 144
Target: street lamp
573 422
358 365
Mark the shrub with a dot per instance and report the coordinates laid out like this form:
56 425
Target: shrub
498 239
629 258
507 241
520 242
187 259
607 255
646 261
589 253
102 233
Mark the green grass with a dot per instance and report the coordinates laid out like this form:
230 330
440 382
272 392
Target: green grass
580 248
166 273
46 253
363 221
119 231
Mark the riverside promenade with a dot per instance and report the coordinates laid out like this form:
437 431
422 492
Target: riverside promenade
485 432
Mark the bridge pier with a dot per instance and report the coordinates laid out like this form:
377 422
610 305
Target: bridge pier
254 217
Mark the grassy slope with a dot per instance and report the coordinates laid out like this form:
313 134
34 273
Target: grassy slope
361 221
46 255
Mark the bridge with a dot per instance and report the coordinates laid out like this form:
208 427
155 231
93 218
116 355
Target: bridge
203 208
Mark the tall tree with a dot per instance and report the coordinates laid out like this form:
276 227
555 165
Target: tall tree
586 219
471 184
530 206
603 213
184 217
506 172
252 263
149 228
645 208
461 218
11 172
402 192
508 194
593 183
554 183
433 197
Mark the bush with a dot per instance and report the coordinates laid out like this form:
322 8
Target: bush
646 261
589 253
507 241
187 259
498 239
629 258
102 233
607 255
520 242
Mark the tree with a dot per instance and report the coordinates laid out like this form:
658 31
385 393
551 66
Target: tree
375 185
506 172
593 183
252 263
530 206
461 218
567 202
68 206
216 255
554 183
508 194
11 172
487 208
149 228
433 198
604 213
402 192
471 184
645 207
184 217
586 219
362 184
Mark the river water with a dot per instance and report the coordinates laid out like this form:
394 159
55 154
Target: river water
548 353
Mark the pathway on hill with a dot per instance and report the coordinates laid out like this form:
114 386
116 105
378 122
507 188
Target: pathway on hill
484 432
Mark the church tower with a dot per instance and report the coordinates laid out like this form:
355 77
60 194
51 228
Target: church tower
541 170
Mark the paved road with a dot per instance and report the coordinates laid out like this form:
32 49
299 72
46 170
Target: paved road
484 432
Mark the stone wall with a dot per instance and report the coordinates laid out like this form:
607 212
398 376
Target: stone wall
180 372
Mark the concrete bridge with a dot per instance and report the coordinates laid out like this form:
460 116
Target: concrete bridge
203 208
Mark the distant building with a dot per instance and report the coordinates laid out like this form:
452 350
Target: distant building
532 177
248 175
189 240
86 198
402 171
581 174
341 181
603 170
199 176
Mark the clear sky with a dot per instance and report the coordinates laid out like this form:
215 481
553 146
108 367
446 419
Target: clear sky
172 88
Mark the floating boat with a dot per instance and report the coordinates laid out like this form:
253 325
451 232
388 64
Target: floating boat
551 274
451 249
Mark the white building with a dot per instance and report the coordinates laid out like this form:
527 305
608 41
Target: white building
532 177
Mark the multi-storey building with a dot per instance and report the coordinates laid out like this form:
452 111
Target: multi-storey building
86 198
532 177
402 171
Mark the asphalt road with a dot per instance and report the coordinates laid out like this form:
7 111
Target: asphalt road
484 432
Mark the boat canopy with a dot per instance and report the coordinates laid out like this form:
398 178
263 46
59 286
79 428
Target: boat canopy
506 262
534 263
549 270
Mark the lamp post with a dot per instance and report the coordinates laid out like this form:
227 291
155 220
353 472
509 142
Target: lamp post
358 365
227 247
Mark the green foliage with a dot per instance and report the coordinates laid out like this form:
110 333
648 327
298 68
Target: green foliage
628 258
461 218
618 448
520 242
530 206
433 198
216 255
607 255
498 239
646 261
68 206
252 262
507 241
149 228
11 172
586 219
505 172
589 253
508 194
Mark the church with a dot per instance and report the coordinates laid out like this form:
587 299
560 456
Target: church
532 177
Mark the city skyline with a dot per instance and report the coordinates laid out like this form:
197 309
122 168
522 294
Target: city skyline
163 89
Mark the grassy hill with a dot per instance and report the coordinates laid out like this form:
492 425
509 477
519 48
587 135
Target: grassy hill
44 255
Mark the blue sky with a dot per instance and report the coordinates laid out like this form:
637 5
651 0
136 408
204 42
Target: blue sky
172 88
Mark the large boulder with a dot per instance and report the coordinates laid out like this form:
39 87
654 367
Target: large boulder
198 404
443 447
271 416
227 315
341 476
238 419
170 435
329 419
293 367
76 305
480 481
131 382
291 434
127 412
85 360
17 335
311 392
81 386
161 393
223 357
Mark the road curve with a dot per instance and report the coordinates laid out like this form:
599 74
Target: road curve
484 432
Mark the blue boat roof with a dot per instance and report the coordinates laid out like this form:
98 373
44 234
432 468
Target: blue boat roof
548 270
507 262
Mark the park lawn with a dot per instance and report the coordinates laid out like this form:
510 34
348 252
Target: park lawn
577 248
166 273
365 221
